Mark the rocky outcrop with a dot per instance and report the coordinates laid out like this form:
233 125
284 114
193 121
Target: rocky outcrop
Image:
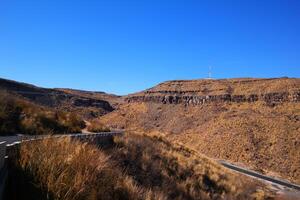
201 91
82 102
167 97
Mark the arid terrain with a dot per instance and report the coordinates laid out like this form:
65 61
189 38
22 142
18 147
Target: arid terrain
254 123
137 167
28 109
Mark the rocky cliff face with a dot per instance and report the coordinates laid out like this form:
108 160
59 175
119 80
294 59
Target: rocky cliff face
269 98
200 92
85 102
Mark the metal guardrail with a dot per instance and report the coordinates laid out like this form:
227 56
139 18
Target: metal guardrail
79 135
2 153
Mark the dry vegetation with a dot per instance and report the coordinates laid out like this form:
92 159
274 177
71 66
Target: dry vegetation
86 104
264 138
96 126
70 170
139 167
178 172
20 116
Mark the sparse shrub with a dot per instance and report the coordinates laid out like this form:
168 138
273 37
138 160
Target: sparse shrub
96 126
9 115
50 124
74 123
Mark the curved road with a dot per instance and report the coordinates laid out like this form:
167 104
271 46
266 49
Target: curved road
257 175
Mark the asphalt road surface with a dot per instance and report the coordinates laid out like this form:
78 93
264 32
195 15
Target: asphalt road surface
254 174
9 139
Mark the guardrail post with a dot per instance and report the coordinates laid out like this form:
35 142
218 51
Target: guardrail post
13 153
3 169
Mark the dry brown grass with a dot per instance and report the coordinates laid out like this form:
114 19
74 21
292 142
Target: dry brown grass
254 134
139 167
97 126
178 172
72 170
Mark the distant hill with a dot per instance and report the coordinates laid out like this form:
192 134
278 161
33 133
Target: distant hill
83 103
114 100
20 116
253 122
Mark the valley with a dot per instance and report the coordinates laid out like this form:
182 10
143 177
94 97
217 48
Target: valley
253 123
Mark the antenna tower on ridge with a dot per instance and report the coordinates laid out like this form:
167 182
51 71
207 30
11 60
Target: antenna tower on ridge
209 73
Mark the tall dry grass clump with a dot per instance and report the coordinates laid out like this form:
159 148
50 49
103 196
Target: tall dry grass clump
71 170
96 126
178 172
9 114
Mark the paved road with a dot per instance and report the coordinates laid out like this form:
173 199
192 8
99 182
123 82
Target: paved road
251 173
9 139
17 138
5 140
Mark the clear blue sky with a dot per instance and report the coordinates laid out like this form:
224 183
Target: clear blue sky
127 46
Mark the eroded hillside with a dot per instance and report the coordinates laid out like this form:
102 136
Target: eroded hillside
88 106
20 116
262 132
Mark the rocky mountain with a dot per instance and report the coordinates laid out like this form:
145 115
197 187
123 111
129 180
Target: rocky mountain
251 122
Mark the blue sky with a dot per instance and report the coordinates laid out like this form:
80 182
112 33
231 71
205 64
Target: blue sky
122 46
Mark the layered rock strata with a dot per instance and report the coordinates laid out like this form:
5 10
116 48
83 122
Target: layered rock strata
173 97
